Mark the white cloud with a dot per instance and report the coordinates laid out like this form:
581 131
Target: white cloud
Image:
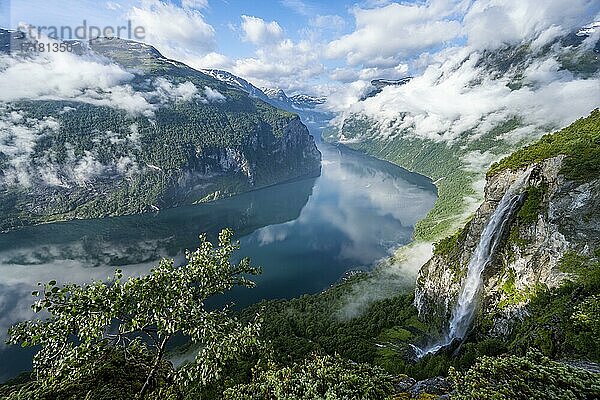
456 95
287 64
331 22
166 91
368 74
258 31
210 60
197 4
56 74
177 32
213 95
87 168
385 34
389 34
18 137
299 6
477 161
111 5
490 23
127 166
68 76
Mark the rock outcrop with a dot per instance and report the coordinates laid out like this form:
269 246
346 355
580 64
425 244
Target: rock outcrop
556 216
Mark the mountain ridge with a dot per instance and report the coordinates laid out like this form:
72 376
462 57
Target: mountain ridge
162 135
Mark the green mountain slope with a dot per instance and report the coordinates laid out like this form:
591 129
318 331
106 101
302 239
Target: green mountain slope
454 145
189 138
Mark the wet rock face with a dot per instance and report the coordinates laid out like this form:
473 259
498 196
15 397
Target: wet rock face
557 216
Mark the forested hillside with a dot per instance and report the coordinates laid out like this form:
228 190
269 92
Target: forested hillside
468 111
170 135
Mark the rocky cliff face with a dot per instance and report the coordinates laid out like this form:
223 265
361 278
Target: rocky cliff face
262 160
556 216
210 173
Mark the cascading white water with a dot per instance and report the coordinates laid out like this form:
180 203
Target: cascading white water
490 237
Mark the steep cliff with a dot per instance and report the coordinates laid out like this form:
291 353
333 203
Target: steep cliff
138 133
558 215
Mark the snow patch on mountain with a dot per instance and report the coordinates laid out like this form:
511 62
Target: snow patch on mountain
235 81
589 29
274 96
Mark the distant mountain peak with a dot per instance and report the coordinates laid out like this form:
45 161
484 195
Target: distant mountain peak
379 84
588 29
307 100
275 93
235 81
274 96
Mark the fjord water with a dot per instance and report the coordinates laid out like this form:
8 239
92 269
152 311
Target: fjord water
305 234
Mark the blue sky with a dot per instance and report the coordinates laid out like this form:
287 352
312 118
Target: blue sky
224 15
315 46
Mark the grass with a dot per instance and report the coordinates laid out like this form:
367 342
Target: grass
531 208
448 245
579 143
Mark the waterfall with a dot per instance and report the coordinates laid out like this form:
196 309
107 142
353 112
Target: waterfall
481 257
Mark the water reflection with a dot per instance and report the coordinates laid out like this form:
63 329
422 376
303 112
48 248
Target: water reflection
360 209
304 234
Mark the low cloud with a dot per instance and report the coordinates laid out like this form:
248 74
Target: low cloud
85 79
66 76
87 168
390 278
18 138
457 94
185 91
56 74
491 23
25 167
213 95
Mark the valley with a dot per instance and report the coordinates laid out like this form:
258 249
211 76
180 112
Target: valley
294 200
303 233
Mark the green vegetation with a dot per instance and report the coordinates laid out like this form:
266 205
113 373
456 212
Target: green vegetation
111 376
91 160
513 296
134 320
311 324
318 377
561 322
443 162
528 214
439 162
579 142
532 206
448 245
531 377
305 348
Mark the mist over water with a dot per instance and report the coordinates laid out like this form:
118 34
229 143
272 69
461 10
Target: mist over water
305 234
